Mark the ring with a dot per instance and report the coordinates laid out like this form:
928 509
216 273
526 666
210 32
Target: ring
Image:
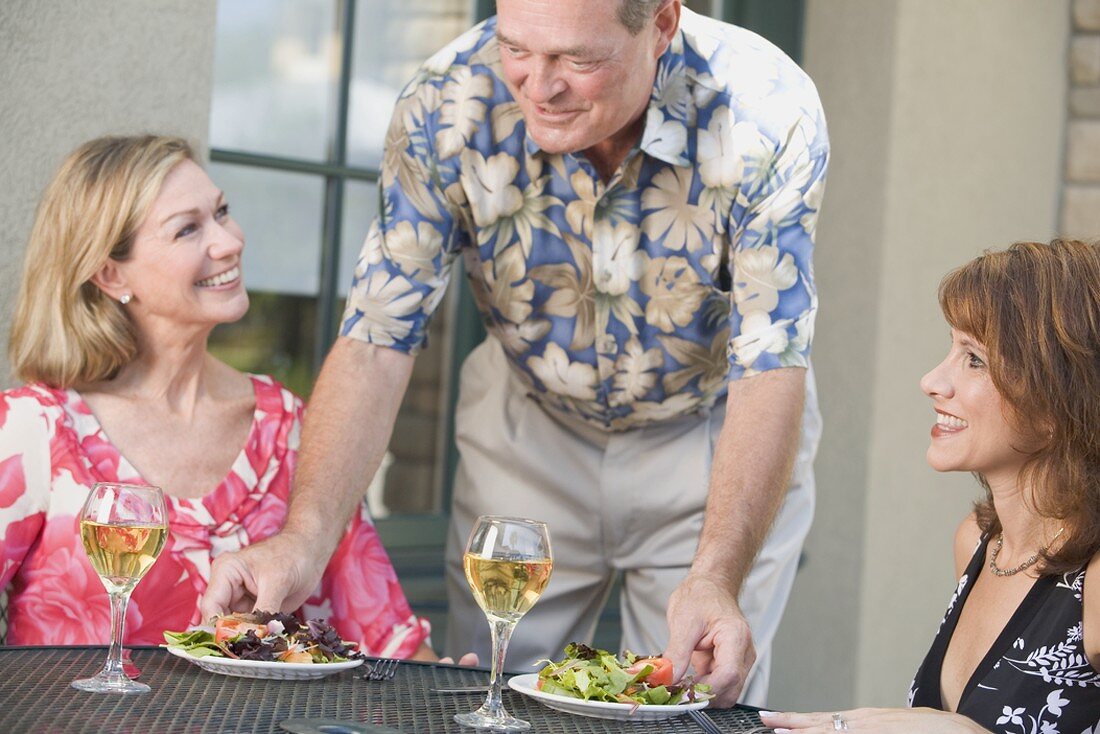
839 724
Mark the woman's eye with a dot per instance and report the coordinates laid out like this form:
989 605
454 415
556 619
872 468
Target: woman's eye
222 212
185 231
974 360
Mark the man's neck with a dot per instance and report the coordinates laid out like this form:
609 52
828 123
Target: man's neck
607 155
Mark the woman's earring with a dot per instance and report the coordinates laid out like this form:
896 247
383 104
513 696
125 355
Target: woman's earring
126 297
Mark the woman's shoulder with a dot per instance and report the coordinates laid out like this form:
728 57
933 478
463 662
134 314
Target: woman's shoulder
967 537
273 397
31 400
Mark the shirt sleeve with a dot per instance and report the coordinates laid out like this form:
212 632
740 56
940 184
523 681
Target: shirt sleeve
404 266
26 434
774 295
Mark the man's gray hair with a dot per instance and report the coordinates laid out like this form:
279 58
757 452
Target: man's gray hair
634 14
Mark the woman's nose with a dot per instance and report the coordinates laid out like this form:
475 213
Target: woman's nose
227 241
935 381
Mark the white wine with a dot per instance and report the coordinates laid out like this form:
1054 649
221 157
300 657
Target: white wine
121 554
506 589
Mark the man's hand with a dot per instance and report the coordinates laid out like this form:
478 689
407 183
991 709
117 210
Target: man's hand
275 575
707 629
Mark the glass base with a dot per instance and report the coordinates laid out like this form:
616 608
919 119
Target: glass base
505 722
109 684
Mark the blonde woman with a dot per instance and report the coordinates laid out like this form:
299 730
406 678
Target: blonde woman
133 259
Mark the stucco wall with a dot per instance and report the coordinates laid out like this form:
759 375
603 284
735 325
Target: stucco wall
70 71
947 124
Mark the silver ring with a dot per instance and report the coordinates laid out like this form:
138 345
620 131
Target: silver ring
839 724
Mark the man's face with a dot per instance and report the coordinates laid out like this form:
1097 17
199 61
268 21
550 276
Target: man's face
579 76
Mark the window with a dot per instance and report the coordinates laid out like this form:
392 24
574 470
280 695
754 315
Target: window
302 96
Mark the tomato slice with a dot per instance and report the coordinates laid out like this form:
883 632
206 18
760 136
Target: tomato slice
661 674
227 628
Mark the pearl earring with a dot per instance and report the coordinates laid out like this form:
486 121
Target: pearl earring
126 297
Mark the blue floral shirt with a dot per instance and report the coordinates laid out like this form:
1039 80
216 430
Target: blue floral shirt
624 302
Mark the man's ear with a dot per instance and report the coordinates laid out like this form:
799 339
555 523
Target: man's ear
111 280
667 21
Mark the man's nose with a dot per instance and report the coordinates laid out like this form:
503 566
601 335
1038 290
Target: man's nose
544 83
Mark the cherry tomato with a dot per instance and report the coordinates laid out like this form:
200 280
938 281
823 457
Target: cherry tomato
662 670
227 628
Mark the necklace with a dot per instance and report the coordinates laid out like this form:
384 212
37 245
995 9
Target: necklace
998 571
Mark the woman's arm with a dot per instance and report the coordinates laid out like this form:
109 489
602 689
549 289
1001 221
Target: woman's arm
1091 593
880 721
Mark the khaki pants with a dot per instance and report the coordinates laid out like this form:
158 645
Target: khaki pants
628 503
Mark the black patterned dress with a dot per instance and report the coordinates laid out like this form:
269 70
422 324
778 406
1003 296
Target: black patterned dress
1035 679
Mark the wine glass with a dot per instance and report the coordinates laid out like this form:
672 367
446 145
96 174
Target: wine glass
123 528
507 564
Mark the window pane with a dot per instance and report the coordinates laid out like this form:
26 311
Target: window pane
392 38
281 216
275 337
275 66
360 208
414 482
704 7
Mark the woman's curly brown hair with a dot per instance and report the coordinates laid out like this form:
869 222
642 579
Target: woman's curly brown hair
1036 309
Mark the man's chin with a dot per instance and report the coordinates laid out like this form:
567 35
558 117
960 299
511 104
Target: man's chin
556 141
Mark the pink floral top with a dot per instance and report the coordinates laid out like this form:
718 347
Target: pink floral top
52 449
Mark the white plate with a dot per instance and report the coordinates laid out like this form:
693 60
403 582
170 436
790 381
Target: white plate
263 669
525 684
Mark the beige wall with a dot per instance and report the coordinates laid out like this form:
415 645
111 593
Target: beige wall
70 71
947 124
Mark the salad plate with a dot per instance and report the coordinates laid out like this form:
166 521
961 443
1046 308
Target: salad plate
264 669
527 685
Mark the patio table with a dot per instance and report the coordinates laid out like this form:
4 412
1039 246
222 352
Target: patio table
35 697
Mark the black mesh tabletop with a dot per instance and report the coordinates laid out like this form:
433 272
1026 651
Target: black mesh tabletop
35 697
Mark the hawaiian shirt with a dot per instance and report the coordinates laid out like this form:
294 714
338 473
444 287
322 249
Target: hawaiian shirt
621 302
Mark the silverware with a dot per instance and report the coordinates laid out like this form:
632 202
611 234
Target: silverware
704 722
461 689
707 724
383 669
333 726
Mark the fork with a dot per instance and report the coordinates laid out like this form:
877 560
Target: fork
704 722
707 724
382 669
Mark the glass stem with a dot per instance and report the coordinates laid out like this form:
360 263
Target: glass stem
502 632
113 666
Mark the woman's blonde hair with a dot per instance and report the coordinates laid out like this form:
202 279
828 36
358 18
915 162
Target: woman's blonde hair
67 331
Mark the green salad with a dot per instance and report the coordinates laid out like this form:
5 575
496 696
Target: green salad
265 637
598 675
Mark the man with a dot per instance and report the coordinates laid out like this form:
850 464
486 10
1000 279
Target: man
635 204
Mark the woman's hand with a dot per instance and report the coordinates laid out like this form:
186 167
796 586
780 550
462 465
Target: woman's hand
885 721
427 655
